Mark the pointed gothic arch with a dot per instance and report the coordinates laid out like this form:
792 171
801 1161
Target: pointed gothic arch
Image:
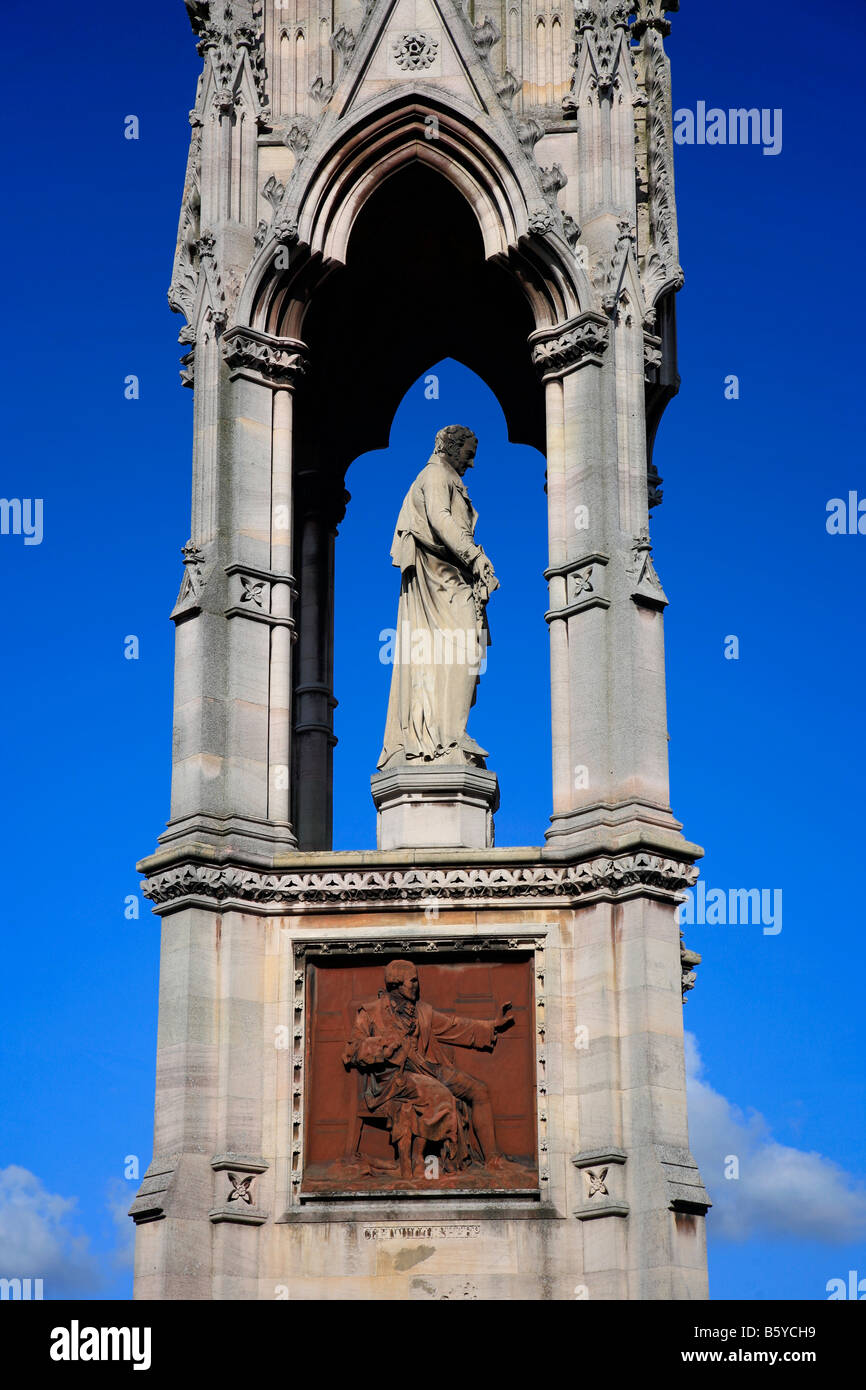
371 149
409 292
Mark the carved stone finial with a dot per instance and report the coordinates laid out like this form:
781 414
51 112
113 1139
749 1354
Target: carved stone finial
604 22
199 13
553 179
273 192
571 229
529 132
485 35
227 40
654 491
507 86
342 41
321 91
650 14
689 960
297 136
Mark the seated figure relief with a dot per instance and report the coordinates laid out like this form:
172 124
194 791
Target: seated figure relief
401 1047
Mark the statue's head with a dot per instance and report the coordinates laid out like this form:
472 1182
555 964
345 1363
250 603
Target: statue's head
457 445
402 976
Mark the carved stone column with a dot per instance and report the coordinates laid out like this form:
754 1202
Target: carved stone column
261 586
607 658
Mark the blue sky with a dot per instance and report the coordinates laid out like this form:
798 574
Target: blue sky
767 752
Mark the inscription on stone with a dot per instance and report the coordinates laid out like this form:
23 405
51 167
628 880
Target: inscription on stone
452 1231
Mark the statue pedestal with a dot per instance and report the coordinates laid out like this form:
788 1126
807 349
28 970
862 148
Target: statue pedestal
431 807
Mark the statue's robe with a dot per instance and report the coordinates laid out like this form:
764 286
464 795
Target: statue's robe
411 1089
441 629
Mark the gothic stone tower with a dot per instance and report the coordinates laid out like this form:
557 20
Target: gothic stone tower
514 169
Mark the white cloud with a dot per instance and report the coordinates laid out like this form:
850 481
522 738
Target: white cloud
119 1199
38 1238
781 1192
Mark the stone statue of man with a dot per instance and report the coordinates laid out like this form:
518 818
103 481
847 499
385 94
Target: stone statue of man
442 633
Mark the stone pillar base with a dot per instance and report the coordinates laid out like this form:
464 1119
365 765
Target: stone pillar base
432 807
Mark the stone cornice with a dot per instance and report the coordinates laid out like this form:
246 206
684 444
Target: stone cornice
277 361
619 876
577 343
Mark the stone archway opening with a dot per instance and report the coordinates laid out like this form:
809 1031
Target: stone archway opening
512 717
416 288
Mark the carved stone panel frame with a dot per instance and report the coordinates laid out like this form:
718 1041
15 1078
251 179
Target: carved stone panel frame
380 949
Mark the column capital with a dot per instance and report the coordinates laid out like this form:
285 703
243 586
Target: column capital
321 494
274 361
568 346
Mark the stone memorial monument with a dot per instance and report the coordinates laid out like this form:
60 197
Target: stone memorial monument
441 1067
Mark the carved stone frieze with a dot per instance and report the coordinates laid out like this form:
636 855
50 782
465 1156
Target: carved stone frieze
308 890
570 345
276 360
